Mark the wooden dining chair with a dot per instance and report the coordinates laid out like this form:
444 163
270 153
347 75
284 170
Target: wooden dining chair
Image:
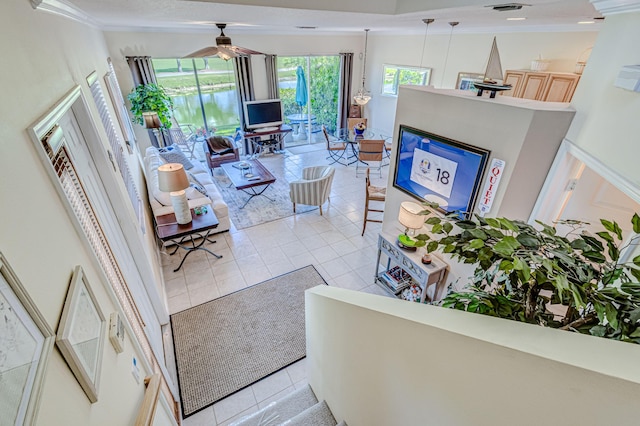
370 150
377 194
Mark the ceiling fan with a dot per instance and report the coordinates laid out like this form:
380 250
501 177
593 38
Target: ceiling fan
223 48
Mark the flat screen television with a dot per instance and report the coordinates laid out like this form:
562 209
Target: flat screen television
264 113
437 169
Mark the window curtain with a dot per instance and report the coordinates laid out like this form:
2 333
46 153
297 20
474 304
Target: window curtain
271 63
344 91
141 70
244 82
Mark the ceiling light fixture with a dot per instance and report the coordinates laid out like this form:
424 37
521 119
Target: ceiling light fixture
516 19
424 42
446 58
363 96
586 22
223 48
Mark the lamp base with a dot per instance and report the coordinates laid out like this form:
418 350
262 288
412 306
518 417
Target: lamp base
406 243
181 207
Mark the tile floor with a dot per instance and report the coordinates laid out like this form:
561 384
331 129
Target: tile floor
332 243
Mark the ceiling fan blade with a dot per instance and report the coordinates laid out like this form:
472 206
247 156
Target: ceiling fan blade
203 53
245 51
229 53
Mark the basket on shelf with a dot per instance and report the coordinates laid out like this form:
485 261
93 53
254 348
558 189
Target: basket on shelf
540 64
581 62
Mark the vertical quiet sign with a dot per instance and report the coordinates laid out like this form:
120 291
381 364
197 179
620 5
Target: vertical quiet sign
491 185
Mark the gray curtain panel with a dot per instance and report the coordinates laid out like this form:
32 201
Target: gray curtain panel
141 70
344 91
244 82
271 63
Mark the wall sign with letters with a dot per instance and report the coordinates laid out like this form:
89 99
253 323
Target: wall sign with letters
488 194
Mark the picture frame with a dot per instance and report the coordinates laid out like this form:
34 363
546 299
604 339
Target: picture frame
81 334
466 79
26 343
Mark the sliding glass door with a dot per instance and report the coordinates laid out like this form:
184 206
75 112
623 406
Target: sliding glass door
309 91
203 91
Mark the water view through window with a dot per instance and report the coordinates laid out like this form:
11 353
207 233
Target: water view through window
203 91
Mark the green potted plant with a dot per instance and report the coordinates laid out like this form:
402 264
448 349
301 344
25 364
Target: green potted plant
519 269
151 97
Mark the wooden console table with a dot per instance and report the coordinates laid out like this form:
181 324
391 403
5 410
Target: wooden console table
410 262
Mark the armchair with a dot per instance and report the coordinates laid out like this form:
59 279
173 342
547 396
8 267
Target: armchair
314 187
219 150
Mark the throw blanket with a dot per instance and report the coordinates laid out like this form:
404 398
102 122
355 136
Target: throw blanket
219 145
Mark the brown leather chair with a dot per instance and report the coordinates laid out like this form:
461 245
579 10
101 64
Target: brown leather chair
219 150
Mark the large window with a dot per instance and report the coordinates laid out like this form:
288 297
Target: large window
203 91
322 74
395 75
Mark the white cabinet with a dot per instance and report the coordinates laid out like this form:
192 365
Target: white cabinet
404 267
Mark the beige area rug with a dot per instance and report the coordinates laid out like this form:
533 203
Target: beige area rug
260 209
229 343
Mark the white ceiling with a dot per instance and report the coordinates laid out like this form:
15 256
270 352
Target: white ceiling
333 16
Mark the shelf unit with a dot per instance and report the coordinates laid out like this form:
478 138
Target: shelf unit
404 267
541 86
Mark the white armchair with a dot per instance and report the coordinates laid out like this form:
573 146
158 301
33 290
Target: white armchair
314 187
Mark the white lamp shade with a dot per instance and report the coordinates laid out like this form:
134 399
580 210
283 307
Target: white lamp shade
409 215
172 177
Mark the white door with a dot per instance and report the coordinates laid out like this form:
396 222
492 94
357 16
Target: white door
97 195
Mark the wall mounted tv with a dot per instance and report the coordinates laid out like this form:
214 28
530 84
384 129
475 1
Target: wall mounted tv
264 113
437 169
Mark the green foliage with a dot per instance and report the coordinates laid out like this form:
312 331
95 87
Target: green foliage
151 97
520 269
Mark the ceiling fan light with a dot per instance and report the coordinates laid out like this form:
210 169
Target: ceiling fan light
225 53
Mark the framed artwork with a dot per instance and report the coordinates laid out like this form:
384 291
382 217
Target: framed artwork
81 334
466 80
26 341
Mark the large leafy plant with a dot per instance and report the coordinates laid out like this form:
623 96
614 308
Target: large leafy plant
151 97
519 269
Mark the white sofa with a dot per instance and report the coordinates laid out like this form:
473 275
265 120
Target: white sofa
200 178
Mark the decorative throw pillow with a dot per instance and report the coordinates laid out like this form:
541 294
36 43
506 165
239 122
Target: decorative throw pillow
172 154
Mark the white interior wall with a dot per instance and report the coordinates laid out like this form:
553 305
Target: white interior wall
46 56
403 363
607 125
468 53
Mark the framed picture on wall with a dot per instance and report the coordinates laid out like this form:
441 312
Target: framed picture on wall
81 333
26 341
466 80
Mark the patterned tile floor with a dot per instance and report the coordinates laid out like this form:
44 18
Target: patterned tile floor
332 243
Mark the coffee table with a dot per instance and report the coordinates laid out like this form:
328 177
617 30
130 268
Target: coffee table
168 230
247 176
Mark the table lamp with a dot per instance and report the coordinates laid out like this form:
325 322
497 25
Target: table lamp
409 216
173 179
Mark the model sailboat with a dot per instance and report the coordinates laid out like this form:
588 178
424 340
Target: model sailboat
493 74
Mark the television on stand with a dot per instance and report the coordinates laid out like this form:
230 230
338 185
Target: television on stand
439 170
264 115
